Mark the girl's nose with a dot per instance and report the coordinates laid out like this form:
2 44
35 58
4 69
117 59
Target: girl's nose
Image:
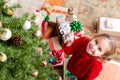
95 47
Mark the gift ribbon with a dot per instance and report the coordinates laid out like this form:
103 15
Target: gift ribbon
56 11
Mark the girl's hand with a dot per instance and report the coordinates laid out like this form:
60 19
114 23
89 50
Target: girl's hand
69 43
69 38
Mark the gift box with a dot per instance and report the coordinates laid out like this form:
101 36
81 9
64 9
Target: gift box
109 25
54 11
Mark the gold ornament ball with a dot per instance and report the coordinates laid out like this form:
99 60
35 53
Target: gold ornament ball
9 12
38 34
35 74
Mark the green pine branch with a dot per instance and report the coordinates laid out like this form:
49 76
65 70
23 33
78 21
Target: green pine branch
24 60
15 6
14 22
1 6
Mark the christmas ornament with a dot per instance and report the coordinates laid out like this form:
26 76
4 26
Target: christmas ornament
50 78
17 40
27 25
38 33
3 57
51 60
8 11
5 34
35 74
50 53
45 62
0 24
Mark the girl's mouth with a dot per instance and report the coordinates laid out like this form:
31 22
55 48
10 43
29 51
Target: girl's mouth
91 48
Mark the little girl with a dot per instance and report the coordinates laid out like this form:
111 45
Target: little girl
88 55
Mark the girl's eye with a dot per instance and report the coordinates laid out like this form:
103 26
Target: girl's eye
99 49
96 41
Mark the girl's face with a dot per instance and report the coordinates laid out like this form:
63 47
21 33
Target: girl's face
98 46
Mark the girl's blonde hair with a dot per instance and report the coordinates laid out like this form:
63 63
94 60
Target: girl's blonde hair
112 42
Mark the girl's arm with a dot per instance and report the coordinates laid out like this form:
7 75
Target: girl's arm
68 47
71 46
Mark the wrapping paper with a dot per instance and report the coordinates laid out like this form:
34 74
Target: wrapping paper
54 2
56 10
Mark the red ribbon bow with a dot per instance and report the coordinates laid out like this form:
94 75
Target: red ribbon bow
58 55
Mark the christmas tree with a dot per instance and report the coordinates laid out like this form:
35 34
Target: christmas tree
19 55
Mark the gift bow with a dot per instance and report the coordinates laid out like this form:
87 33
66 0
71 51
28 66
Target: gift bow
76 26
58 55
